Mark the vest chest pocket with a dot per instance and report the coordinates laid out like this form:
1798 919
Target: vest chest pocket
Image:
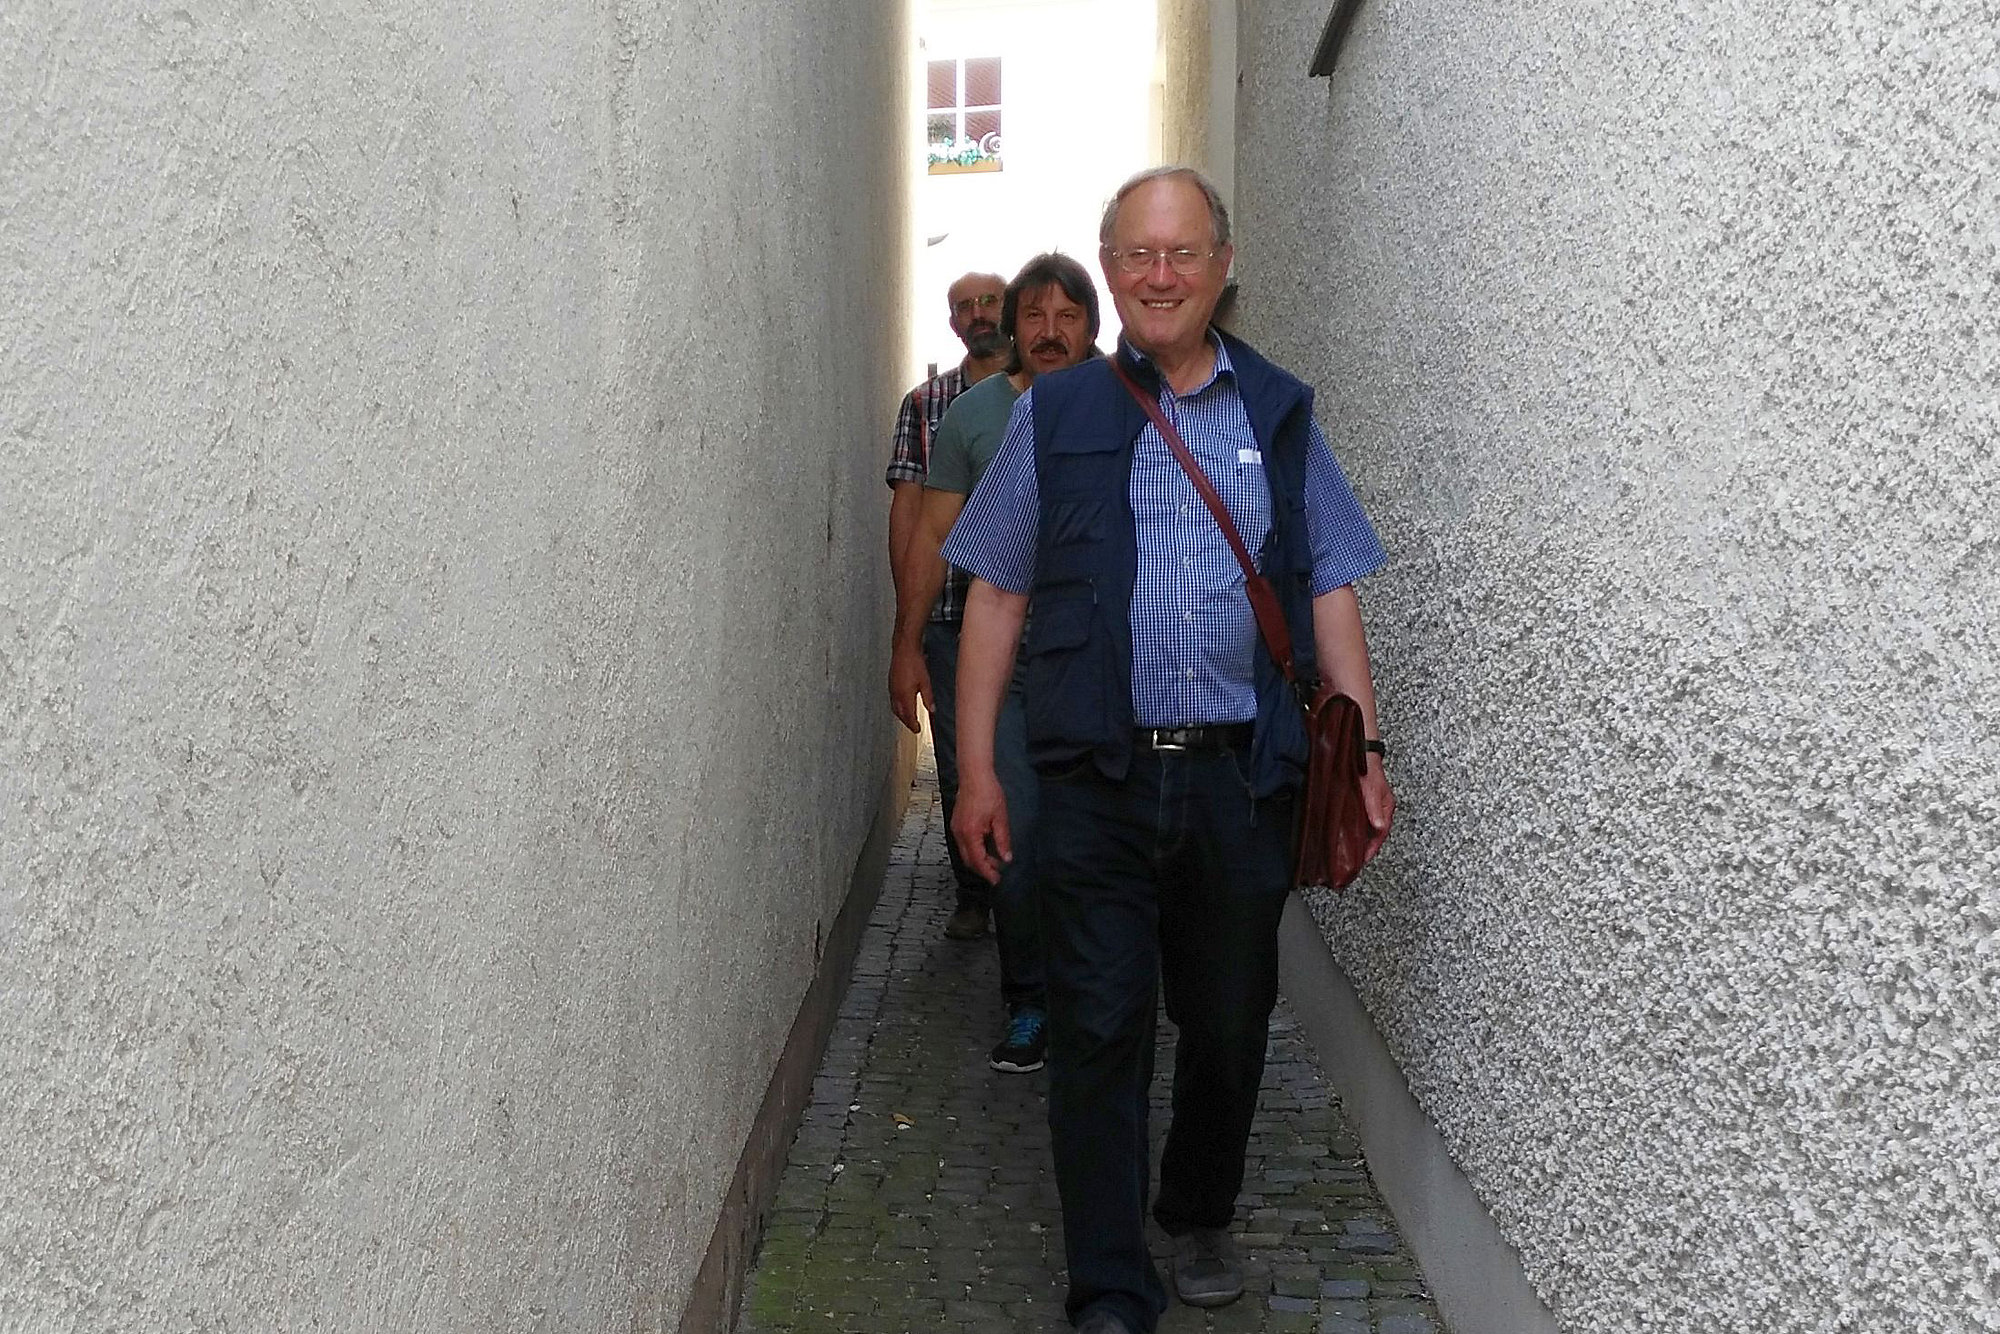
1075 468
1080 478
1070 522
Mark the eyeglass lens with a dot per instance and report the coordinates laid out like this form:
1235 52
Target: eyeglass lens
1141 260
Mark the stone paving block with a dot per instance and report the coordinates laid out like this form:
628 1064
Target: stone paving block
1410 1323
947 1218
1244 1317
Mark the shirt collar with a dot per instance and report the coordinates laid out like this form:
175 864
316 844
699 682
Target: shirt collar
1223 366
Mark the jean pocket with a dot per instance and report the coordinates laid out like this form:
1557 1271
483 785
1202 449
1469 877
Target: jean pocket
1070 772
1278 804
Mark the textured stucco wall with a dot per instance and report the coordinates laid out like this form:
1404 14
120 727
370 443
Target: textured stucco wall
440 631
1664 346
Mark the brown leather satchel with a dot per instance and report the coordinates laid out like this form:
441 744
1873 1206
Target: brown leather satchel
1332 830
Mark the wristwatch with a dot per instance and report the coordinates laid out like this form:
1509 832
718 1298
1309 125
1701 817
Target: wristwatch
1375 744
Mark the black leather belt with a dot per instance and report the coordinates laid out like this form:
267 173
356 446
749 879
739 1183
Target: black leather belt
1209 736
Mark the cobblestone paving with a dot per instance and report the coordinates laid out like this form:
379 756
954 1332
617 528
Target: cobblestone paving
918 1195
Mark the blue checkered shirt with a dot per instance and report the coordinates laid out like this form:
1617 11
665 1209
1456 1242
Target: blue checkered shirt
1194 637
910 460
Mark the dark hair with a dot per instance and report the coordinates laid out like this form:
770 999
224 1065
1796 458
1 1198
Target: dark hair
1053 269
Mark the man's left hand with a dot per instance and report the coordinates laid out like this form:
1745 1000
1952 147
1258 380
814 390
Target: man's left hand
909 684
1379 800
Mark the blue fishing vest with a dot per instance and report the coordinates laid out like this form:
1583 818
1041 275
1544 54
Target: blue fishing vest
1078 650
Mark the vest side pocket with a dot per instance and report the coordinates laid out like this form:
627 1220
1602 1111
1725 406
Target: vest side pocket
1063 687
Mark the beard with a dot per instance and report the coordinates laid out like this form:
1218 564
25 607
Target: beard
984 343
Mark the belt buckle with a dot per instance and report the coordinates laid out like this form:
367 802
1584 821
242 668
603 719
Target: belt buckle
1159 741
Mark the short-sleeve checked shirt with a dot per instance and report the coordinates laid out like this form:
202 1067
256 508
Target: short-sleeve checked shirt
1194 636
910 461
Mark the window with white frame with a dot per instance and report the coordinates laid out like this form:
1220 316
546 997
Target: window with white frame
962 120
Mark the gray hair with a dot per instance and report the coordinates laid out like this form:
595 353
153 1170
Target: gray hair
1218 212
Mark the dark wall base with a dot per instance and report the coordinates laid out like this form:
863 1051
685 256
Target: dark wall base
718 1286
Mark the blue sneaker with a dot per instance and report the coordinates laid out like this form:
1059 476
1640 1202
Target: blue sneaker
1026 1043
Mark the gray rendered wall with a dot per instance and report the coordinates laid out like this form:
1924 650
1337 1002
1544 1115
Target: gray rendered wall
440 636
1184 72
1662 345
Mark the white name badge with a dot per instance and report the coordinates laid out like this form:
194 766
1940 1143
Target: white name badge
1250 456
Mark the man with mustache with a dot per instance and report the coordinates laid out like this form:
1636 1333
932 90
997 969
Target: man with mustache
1050 313
974 302
1169 746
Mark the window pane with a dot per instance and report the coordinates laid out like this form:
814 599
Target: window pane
944 83
979 124
982 82
940 128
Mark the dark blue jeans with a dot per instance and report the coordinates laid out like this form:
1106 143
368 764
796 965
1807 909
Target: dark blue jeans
1017 925
941 661
1173 877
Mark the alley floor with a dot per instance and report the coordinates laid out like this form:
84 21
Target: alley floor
919 1197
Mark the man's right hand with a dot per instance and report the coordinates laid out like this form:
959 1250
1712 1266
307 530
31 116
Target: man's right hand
909 683
980 813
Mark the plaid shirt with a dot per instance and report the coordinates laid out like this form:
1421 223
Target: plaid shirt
910 460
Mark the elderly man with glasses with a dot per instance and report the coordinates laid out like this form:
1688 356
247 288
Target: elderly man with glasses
974 303
1169 748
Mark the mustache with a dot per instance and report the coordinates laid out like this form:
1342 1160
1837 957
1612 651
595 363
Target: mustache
1055 345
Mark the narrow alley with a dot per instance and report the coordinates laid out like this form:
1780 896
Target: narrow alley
918 1195
448 652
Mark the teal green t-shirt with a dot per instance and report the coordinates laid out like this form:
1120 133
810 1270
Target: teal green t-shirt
969 436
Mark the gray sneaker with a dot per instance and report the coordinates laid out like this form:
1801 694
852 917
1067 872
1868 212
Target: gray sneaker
967 923
1207 1271
1103 1322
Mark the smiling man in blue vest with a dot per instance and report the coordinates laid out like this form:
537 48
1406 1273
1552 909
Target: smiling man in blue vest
1169 748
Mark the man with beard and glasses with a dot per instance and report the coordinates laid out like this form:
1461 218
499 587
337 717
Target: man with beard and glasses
975 317
1169 745
1050 314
